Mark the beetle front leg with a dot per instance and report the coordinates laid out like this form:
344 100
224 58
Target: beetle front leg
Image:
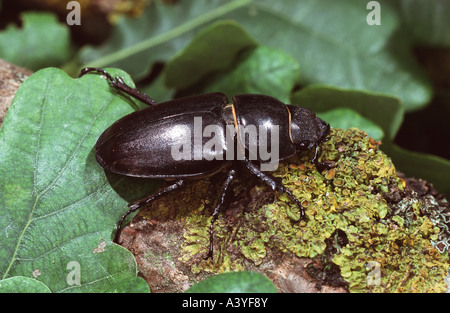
225 193
119 84
320 165
138 204
275 185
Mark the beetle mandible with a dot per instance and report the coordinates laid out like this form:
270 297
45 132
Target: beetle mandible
141 144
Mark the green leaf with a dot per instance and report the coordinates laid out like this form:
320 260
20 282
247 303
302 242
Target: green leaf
345 118
224 58
130 285
41 42
136 44
427 21
214 49
331 41
234 282
250 74
334 45
432 168
20 284
384 111
158 90
57 204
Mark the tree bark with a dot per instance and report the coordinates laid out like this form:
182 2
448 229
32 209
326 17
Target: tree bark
11 77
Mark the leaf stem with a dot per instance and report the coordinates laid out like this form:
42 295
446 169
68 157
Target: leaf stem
173 33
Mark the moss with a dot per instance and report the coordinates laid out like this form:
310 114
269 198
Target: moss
383 250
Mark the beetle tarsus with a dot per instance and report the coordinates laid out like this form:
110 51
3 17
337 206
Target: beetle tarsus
86 70
297 202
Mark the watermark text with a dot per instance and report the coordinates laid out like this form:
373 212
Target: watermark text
191 145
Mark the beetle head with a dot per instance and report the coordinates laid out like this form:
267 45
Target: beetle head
307 129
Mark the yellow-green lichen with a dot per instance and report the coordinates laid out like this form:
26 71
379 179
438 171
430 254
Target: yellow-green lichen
383 251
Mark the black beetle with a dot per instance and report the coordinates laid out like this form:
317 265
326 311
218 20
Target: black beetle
147 143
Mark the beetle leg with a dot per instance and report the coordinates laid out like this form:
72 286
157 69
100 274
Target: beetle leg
320 165
225 188
138 204
275 185
86 70
119 84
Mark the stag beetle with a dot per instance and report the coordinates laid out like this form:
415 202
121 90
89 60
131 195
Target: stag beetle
171 140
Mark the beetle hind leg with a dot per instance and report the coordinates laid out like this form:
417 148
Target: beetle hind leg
140 203
119 84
